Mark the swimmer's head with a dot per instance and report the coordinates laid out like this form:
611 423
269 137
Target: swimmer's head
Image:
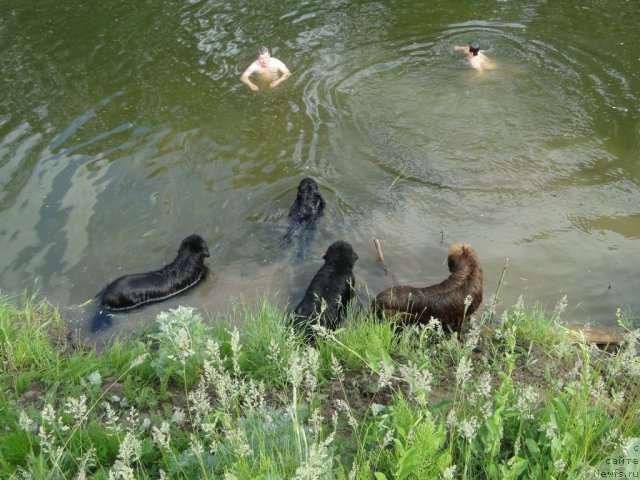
264 56
474 48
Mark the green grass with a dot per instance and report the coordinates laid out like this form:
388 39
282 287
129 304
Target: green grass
241 397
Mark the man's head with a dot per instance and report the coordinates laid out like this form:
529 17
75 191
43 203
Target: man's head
474 48
264 56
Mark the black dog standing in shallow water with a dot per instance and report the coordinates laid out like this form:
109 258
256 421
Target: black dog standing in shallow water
132 291
305 212
330 291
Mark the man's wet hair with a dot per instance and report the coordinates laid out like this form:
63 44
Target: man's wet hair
262 50
474 48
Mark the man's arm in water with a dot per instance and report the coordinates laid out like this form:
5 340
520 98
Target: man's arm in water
283 70
246 80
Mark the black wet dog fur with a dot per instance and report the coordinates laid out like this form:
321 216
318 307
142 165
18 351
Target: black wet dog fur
329 293
133 291
305 212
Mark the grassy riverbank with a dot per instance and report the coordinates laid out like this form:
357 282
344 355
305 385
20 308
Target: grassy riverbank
192 400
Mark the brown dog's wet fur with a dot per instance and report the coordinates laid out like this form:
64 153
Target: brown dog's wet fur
444 301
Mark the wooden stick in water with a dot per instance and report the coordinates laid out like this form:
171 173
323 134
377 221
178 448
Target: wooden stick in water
376 242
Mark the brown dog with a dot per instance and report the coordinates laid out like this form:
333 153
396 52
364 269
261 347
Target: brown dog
444 301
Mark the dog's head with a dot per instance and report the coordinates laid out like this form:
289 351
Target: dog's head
461 254
309 198
194 244
307 187
341 254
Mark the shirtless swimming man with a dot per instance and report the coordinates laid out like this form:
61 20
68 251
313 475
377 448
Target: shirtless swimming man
477 59
269 69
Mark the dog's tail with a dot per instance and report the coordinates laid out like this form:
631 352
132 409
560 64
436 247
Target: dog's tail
103 318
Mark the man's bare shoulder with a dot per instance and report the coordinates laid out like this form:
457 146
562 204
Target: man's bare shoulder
275 63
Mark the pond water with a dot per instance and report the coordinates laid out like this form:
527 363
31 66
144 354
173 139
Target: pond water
124 128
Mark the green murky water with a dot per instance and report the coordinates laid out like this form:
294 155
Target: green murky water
124 128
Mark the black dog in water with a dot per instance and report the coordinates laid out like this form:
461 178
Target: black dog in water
330 291
305 212
132 291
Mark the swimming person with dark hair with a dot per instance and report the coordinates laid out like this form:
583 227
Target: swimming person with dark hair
268 68
477 59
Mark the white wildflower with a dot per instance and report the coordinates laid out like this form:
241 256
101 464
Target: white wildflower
387 440
385 374
559 465
452 419
213 351
516 446
130 449
526 402
315 422
435 326
199 402
162 436
274 352
139 360
178 416
487 409
295 372
463 371
617 397
86 462
196 446
112 421
77 408
238 441
210 430
484 385
121 471
449 472
48 414
311 367
336 368
560 307
253 395
377 409
318 463
419 380
25 423
598 389
353 473
468 300
342 406
133 419
235 351
473 336
183 345
550 429
612 439
468 428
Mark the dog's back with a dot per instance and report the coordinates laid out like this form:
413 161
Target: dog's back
329 292
307 209
132 291
446 301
